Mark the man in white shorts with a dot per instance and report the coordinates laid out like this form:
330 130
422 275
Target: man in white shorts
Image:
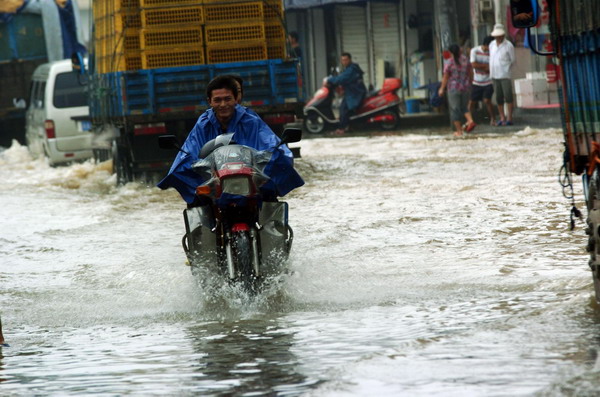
502 57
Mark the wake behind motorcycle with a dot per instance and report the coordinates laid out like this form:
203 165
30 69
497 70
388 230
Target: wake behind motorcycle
379 108
231 229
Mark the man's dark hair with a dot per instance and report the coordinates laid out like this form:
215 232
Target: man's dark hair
294 35
487 40
219 82
346 54
238 79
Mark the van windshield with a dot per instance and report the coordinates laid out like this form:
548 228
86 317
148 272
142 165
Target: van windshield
68 92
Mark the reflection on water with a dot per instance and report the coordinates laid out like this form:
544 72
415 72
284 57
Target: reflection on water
246 357
421 266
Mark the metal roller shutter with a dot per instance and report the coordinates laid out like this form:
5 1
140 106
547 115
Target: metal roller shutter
386 36
354 37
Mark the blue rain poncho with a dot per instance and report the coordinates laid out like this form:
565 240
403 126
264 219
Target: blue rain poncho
248 129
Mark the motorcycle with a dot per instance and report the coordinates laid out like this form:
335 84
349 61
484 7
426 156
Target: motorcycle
231 230
379 107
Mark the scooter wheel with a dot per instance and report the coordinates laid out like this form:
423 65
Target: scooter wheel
314 124
393 122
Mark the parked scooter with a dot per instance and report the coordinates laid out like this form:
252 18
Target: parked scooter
379 107
233 231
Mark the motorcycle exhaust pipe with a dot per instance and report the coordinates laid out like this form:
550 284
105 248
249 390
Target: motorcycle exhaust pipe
229 254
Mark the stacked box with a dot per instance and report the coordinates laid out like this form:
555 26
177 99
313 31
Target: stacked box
140 34
234 31
116 24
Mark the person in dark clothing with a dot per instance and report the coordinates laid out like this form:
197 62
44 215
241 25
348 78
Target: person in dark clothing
351 79
295 44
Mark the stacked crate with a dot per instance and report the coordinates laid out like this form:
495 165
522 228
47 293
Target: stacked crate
234 32
274 29
116 35
171 35
147 34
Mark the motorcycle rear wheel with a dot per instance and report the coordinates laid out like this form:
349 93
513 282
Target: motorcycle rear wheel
242 249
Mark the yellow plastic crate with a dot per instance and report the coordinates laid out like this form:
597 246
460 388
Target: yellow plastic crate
173 57
243 31
274 31
117 23
120 62
102 8
228 12
273 9
168 3
171 37
158 17
276 50
236 52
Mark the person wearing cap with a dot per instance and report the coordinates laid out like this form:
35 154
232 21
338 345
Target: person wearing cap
502 57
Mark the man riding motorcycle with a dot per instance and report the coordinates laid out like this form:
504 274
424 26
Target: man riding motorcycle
227 116
351 79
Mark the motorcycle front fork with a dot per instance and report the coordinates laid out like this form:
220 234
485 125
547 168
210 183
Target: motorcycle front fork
254 252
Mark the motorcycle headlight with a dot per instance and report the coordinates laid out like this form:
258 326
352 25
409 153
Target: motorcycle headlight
238 185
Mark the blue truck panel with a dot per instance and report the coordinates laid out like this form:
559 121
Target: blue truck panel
147 92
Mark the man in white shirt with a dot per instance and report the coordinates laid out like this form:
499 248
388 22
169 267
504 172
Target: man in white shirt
502 57
482 89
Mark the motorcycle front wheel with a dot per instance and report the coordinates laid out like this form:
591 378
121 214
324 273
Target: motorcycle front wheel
314 123
242 248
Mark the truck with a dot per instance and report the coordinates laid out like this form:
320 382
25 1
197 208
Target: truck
27 30
575 63
151 60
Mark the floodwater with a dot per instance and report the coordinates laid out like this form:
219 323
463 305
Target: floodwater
422 265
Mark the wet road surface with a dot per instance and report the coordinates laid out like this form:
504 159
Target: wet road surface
422 265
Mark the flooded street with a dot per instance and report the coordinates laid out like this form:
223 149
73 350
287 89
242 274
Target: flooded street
422 265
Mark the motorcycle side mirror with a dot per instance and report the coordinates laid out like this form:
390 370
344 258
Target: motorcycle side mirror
291 135
169 142
524 13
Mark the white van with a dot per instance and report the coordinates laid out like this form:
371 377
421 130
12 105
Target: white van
56 123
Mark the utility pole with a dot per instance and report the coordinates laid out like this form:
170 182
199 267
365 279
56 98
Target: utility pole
447 22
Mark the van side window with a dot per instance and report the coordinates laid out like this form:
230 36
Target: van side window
68 92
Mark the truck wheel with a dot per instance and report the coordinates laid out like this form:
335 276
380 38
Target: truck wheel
121 165
593 231
314 123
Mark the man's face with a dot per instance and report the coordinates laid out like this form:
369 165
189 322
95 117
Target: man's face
485 48
499 39
345 61
223 103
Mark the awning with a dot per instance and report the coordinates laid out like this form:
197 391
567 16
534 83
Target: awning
298 4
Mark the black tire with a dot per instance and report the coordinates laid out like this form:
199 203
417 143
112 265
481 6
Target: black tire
242 251
314 123
121 165
390 125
